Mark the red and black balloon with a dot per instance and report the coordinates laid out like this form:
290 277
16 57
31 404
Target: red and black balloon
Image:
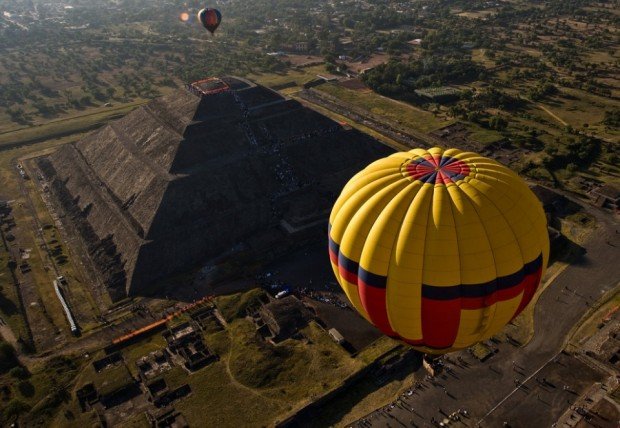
210 18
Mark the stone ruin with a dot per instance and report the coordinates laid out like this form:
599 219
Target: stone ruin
188 176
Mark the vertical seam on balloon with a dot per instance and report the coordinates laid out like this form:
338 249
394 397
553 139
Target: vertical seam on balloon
507 222
394 243
458 256
540 246
486 235
365 238
430 208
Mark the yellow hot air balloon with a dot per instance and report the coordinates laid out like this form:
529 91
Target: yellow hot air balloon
438 248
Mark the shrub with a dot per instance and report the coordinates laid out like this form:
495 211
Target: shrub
8 359
26 389
15 408
18 372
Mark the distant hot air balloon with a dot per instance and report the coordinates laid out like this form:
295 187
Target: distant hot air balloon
438 249
210 18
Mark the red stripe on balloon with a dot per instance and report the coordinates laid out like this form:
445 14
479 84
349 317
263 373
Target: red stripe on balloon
333 257
373 301
347 276
440 322
530 285
473 303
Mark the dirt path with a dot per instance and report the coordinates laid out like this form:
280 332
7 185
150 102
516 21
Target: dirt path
552 114
238 384
7 333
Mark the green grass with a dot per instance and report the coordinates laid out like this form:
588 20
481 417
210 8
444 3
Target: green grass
10 190
222 403
589 326
292 369
398 111
218 342
132 353
481 351
479 56
136 421
9 301
482 135
80 297
577 108
80 123
234 305
175 377
376 349
47 379
111 379
267 381
274 79
365 397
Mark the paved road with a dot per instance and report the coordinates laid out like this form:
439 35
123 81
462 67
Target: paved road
487 389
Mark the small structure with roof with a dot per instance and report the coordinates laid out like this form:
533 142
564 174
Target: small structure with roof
336 336
281 319
153 364
186 341
607 196
167 417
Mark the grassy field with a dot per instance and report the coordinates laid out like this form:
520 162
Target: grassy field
398 111
9 301
78 123
44 389
298 76
483 135
479 55
222 403
79 294
41 273
234 305
10 190
365 397
152 343
266 381
335 116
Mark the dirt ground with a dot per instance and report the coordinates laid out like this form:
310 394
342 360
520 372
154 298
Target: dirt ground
358 332
371 62
298 60
510 386
604 415
354 84
544 396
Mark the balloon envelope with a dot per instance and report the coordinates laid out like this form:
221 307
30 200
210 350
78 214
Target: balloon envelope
438 248
210 18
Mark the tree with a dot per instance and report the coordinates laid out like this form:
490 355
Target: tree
15 408
8 358
498 123
26 389
18 372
